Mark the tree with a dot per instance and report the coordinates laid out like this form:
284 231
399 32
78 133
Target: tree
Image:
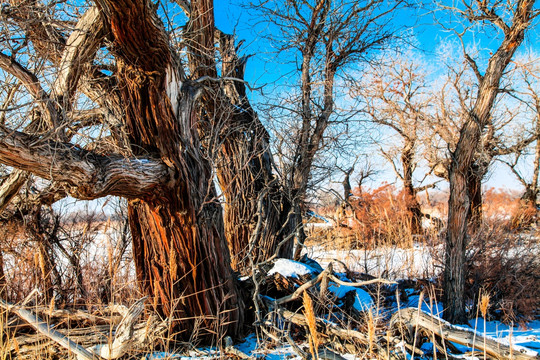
255 208
324 38
455 97
511 20
395 96
529 97
118 62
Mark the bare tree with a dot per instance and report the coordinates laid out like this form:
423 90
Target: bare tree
109 111
324 38
395 96
510 20
454 98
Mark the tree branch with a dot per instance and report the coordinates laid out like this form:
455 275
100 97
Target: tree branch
85 174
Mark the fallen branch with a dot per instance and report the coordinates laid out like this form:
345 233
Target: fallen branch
48 331
410 318
124 338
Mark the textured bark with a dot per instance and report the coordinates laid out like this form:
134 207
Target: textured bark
245 175
180 253
255 208
475 192
462 160
84 174
413 206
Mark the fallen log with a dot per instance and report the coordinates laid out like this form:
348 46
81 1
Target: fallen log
410 320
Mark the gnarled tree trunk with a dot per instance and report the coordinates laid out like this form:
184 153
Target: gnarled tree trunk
180 252
476 120
255 208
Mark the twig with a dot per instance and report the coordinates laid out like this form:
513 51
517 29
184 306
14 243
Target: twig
361 283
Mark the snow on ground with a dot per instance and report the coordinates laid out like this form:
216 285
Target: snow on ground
390 262
519 338
527 336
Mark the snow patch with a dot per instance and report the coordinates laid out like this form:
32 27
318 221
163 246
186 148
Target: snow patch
290 268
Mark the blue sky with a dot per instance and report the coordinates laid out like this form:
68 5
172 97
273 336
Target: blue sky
262 68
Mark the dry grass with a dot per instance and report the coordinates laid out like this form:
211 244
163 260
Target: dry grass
503 266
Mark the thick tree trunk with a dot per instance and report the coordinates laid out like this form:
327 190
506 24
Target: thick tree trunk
456 242
461 166
254 204
182 261
180 252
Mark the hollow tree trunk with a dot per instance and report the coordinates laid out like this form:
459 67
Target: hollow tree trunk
181 257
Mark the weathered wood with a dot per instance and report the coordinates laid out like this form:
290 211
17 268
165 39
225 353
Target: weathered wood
412 318
48 331
145 335
86 175
124 334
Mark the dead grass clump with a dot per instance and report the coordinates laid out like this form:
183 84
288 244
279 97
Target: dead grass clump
382 217
375 217
524 216
505 266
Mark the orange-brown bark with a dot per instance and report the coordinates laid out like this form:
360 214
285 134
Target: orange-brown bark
179 248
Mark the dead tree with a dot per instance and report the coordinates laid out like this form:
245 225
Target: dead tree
151 153
511 21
